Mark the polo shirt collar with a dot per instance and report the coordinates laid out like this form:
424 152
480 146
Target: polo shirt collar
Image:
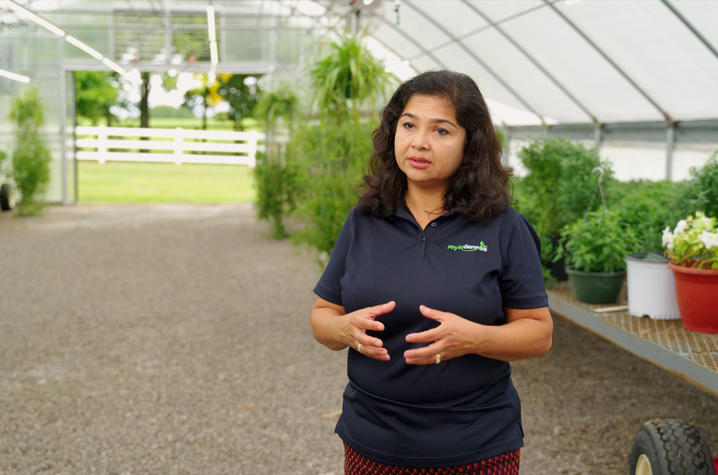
402 211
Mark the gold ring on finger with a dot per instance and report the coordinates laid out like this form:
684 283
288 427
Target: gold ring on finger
437 358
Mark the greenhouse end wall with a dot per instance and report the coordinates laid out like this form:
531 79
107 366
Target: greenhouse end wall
38 55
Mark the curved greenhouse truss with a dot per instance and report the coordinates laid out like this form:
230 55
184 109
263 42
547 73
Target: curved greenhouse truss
636 78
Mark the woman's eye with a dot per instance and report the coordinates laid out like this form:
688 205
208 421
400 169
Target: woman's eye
441 131
407 125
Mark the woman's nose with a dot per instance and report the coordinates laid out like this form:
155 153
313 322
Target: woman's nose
420 140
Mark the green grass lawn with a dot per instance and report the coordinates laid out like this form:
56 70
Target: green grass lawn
121 182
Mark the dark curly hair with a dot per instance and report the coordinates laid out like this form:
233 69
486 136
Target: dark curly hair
478 189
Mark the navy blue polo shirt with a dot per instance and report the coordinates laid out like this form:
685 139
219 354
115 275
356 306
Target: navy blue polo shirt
464 409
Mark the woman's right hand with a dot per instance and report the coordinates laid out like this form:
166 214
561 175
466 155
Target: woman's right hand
363 320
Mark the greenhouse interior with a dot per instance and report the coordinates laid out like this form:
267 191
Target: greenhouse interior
157 316
636 79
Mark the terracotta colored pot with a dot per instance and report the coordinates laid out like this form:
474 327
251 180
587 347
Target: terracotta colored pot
697 293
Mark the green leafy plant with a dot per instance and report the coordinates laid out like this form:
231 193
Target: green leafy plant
560 186
276 191
693 242
703 194
561 181
346 77
648 207
31 157
331 161
597 242
275 178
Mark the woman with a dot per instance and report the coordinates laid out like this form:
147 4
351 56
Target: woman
435 284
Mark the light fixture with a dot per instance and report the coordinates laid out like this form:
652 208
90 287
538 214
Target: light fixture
367 2
213 53
87 49
14 76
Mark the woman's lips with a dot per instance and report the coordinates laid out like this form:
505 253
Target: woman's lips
418 162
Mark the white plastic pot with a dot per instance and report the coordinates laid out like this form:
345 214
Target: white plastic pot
651 288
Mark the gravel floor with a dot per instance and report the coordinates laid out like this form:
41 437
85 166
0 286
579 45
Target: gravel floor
175 339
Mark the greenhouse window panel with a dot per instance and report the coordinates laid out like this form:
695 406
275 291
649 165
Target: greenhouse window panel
659 53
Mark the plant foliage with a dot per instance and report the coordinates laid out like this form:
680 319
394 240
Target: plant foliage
275 178
31 158
704 184
331 161
561 181
348 76
693 242
597 242
96 92
648 207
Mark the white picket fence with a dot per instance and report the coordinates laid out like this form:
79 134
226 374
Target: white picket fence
167 145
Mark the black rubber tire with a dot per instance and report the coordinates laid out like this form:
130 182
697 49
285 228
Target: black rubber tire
7 198
673 447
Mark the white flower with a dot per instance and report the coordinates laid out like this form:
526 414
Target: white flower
703 222
709 239
681 226
667 238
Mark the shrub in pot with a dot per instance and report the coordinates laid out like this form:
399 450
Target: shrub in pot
648 207
562 185
594 247
692 247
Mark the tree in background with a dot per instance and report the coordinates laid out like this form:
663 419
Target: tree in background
202 97
168 83
242 93
96 92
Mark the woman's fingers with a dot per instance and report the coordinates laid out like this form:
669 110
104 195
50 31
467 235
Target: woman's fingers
425 355
364 320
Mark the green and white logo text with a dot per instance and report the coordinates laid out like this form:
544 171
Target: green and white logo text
468 247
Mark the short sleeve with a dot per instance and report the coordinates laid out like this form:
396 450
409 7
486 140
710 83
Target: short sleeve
329 285
521 279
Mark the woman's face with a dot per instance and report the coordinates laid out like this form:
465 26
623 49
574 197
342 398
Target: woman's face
428 142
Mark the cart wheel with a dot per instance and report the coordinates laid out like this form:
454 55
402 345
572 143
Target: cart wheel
7 197
670 447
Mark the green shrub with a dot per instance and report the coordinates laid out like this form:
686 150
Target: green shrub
703 194
597 242
275 178
647 207
559 188
330 162
31 158
276 189
561 181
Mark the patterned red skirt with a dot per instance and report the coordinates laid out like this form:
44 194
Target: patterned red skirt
504 464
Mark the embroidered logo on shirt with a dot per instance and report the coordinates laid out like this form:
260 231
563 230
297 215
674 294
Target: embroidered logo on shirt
468 247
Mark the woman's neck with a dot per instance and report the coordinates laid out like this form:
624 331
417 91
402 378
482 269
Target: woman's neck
425 204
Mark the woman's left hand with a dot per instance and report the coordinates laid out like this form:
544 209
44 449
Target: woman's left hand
455 336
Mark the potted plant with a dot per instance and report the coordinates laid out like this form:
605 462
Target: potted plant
692 247
561 186
593 248
648 207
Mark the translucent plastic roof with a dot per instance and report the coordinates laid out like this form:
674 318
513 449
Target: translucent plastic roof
537 62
